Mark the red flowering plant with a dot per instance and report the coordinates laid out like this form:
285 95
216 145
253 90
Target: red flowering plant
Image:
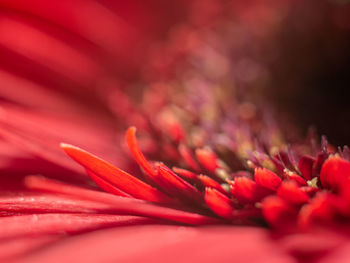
213 174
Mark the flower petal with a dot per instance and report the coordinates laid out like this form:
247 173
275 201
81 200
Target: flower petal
185 173
176 186
248 191
169 244
290 192
219 203
138 155
334 172
188 157
106 186
208 182
319 209
266 178
122 180
49 203
296 178
122 205
11 249
48 224
278 212
207 158
305 166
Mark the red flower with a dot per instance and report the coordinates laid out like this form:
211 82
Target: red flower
223 186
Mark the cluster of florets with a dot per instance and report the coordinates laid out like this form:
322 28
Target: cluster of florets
281 189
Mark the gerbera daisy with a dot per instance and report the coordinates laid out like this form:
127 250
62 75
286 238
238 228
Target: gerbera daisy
213 174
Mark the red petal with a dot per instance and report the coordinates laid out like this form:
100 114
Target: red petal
173 184
207 158
208 182
39 134
106 186
175 131
185 173
32 95
188 157
344 192
319 208
138 155
266 178
305 166
310 190
247 191
334 173
120 204
296 178
278 212
321 158
76 17
36 148
115 176
219 203
57 55
290 192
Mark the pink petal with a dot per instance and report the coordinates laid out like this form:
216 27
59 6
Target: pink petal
340 254
76 17
48 224
30 42
37 148
49 203
39 134
168 244
32 95
122 205
14 248
316 244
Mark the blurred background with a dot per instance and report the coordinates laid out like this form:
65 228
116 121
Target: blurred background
75 55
